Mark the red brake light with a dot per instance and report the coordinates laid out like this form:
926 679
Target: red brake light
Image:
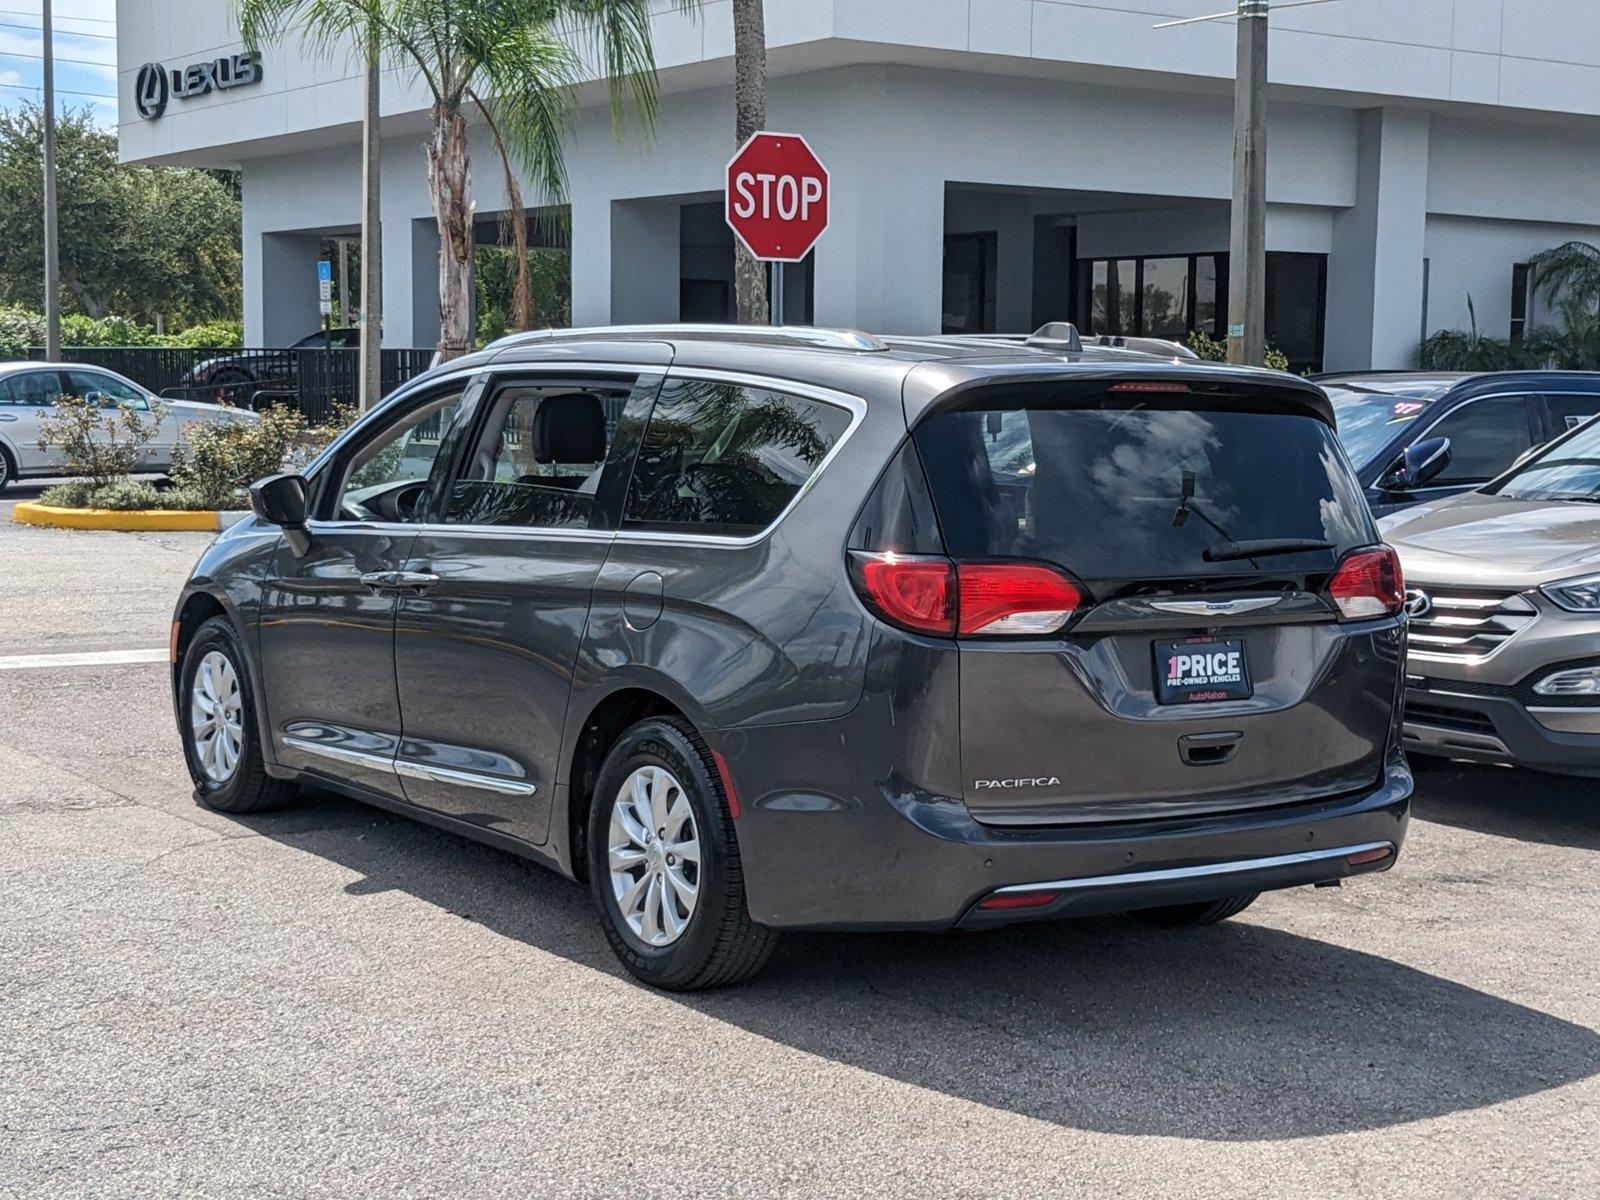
1148 385
1014 598
1367 584
914 593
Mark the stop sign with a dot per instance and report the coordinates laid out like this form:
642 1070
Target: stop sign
777 196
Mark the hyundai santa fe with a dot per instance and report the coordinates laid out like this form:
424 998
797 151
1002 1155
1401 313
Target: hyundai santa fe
757 630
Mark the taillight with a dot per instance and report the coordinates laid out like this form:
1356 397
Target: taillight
929 594
1367 584
1013 599
914 592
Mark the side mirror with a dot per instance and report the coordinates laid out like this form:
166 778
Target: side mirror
1419 463
281 500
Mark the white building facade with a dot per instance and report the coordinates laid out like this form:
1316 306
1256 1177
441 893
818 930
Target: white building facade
994 164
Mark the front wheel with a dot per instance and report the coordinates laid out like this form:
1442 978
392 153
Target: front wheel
664 863
1190 916
8 469
221 740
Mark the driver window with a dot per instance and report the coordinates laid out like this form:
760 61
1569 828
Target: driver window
107 390
1485 438
538 461
389 475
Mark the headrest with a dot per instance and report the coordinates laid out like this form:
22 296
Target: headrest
570 428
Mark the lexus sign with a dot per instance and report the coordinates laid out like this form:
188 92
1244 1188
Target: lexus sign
156 86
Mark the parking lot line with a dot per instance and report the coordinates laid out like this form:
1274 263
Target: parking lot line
91 658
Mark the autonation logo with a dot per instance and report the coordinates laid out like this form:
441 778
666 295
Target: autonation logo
156 86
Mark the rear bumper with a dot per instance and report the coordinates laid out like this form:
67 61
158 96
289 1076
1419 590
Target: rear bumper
1501 728
903 859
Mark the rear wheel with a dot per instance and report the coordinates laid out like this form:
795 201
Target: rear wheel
664 863
8 469
221 742
1188 916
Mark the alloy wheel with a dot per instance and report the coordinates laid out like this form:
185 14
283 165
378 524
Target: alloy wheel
216 724
653 852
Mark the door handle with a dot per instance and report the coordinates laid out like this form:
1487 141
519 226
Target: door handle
8 416
397 581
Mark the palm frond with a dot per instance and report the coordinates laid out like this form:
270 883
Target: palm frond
617 34
1571 269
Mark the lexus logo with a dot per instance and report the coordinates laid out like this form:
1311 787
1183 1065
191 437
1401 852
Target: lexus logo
1418 602
152 91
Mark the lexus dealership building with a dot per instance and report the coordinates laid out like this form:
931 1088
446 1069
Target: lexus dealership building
993 164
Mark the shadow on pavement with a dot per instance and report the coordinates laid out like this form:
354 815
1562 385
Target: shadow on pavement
1240 1032
1530 806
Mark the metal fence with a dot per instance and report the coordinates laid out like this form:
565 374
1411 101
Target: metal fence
314 381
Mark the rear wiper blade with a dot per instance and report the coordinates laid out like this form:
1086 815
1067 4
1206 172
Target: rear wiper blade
1263 548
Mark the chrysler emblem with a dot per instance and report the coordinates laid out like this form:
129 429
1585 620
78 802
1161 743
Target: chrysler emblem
151 91
1418 602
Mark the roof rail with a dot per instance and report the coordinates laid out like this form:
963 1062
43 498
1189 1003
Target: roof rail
793 335
1057 335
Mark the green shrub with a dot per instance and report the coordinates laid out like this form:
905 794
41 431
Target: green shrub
216 462
103 444
211 334
124 495
1216 350
79 330
19 330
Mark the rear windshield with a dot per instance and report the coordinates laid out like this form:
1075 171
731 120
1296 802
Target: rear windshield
1140 492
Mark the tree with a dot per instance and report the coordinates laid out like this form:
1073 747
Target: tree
750 105
511 62
143 242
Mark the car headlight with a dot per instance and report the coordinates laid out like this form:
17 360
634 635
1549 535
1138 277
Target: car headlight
1576 681
1575 595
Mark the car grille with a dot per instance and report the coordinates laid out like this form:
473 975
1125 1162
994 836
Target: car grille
1439 716
1468 623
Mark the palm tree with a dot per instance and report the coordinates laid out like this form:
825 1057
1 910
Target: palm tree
1571 270
750 105
514 64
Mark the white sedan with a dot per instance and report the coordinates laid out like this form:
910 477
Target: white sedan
28 394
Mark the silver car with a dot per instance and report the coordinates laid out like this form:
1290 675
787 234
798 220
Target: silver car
28 395
1503 585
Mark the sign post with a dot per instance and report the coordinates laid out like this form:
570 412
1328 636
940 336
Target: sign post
776 202
325 286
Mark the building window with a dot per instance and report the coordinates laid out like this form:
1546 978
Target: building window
1172 297
1521 279
969 293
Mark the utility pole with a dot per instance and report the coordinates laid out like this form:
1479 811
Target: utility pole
52 260
371 383
1247 240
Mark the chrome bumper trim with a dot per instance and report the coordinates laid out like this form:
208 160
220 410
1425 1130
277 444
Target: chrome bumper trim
1169 874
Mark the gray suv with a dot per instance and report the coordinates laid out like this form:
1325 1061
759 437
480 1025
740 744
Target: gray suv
1504 660
779 629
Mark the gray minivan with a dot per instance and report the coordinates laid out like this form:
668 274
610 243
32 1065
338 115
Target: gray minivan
764 629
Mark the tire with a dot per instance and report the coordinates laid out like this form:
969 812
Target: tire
232 783
230 383
716 943
8 469
1191 916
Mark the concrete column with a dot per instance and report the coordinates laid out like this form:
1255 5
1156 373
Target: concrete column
591 254
288 307
1013 310
644 262
880 265
1375 268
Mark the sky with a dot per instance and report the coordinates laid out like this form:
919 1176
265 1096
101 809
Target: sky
85 51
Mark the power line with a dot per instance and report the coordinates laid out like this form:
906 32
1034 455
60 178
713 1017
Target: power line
100 37
23 12
23 87
81 62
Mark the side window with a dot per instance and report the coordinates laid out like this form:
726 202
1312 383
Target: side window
725 458
31 389
1486 437
387 478
1571 409
538 460
84 384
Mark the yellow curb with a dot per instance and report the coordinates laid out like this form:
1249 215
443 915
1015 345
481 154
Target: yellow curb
150 520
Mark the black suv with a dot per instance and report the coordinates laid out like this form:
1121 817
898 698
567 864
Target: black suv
776 629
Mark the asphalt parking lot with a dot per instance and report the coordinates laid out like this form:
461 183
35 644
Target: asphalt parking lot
333 1001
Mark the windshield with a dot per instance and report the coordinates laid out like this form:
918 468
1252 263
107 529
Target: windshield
1368 419
1137 492
1569 471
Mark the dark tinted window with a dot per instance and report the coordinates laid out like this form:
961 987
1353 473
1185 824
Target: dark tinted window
723 458
1571 410
1486 437
1101 491
38 389
538 459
